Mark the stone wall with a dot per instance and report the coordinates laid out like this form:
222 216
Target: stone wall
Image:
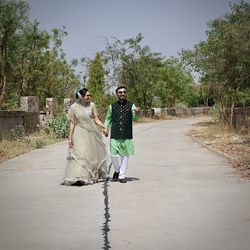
241 117
29 103
197 110
67 102
51 107
30 119
181 111
31 122
26 120
147 113
42 119
11 120
18 122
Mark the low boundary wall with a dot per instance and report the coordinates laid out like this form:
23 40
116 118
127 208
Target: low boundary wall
19 121
29 122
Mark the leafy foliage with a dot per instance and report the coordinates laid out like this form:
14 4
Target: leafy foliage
96 84
146 74
32 61
13 16
223 59
58 126
174 85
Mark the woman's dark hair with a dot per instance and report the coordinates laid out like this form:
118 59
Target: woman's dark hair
81 92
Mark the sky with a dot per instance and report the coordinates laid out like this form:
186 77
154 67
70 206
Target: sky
167 26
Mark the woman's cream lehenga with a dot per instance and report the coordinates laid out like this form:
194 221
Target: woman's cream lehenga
87 160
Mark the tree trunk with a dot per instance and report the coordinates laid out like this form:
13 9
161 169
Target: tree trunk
233 106
206 103
232 113
2 89
245 115
222 111
4 56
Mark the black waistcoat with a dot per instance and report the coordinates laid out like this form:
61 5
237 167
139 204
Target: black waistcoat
122 120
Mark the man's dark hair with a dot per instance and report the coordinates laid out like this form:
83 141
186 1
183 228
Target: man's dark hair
120 87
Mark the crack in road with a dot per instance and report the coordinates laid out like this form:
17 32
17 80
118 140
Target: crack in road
107 216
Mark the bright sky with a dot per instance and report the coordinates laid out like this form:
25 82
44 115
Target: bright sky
167 26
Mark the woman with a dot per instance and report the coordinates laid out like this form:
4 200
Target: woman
87 158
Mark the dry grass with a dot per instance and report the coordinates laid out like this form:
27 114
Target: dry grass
231 144
12 148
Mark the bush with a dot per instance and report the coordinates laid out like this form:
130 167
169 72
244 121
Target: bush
58 126
40 143
16 133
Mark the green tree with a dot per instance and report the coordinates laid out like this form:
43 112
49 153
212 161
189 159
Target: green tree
32 61
223 59
41 67
30 44
134 66
13 16
175 85
96 84
96 76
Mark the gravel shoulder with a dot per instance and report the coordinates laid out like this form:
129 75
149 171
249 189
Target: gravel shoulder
234 146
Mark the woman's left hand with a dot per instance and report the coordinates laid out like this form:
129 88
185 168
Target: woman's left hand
105 132
70 143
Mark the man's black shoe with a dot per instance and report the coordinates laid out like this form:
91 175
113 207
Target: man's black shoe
123 180
115 176
78 183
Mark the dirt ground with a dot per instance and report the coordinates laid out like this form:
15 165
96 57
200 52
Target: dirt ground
235 146
18 146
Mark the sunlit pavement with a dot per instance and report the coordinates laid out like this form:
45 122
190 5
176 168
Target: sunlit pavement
179 196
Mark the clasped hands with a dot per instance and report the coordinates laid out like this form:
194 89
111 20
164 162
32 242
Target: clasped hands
105 132
70 143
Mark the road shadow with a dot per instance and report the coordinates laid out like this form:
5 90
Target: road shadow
132 179
127 179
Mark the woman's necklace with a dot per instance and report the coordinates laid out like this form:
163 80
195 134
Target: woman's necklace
85 104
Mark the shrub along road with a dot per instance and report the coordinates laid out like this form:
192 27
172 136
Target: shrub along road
179 196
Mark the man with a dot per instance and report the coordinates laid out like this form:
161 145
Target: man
121 115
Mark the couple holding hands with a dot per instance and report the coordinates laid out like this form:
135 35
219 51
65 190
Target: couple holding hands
87 161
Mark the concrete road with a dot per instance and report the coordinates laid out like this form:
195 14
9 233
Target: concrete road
179 196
